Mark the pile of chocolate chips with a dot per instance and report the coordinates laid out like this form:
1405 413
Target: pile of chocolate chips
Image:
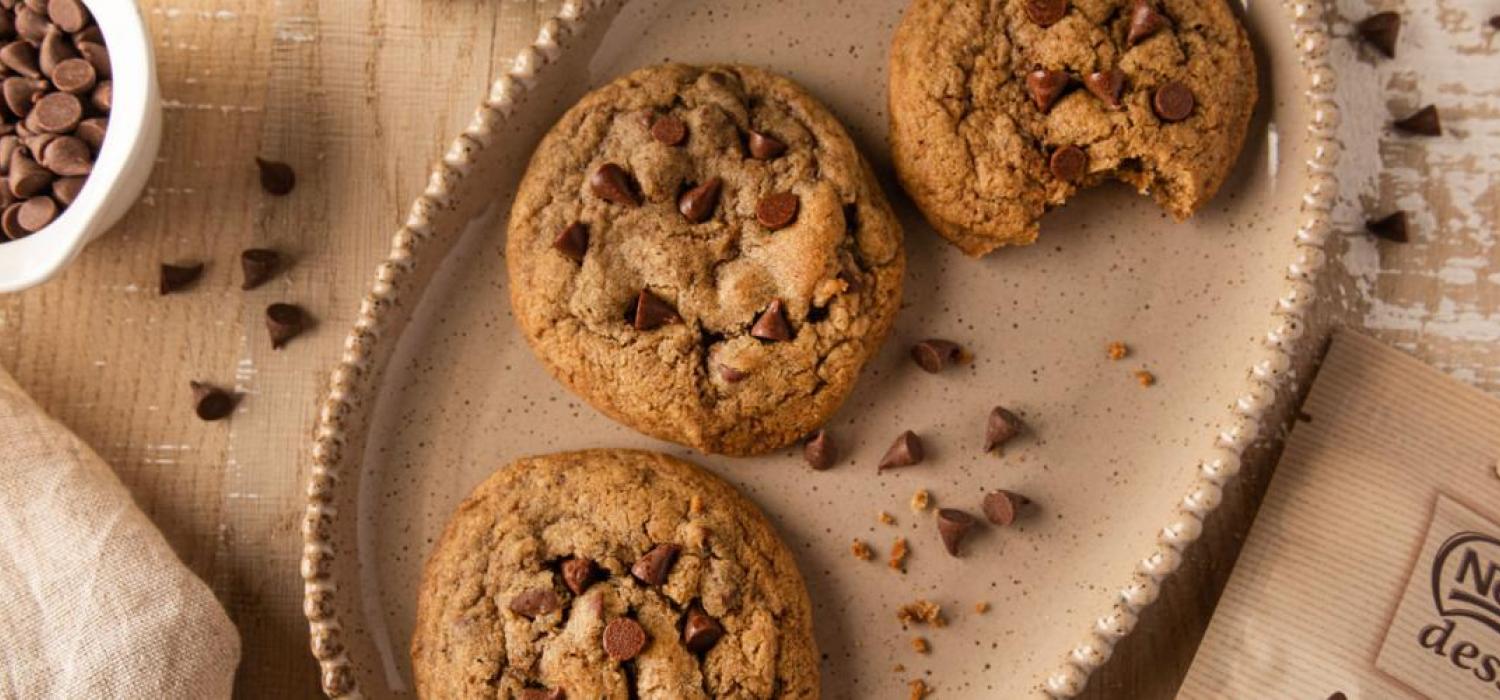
56 90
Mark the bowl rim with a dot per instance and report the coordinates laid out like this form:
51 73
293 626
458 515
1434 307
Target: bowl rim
360 367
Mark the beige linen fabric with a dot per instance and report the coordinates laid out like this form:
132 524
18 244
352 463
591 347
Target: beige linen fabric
93 602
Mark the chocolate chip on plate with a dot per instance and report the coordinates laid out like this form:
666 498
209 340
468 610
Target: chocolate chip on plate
1423 122
953 526
1391 228
55 113
669 130
612 184
700 632
765 146
1046 86
258 265
535 602
284 322
777 211
1144 22
624 639
936 355
653 566
175 278
210 402
1107 85
36 213
697 204
904 452
1002 506
820 452
1381 30
1001 427
772 324
1068 164
276 178
1174 102
649 312
573 241
1046 12
578 573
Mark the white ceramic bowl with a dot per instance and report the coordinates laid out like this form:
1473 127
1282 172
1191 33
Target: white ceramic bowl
124 162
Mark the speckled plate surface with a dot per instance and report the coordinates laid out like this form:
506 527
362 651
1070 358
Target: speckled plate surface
437 388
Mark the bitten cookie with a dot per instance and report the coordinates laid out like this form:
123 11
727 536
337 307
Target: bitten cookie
1003 109
611 574
704 256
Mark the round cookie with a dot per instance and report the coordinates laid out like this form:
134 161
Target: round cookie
704 255
611 574
1003 109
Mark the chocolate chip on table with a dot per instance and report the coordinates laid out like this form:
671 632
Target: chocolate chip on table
820 452
1046 86
1423 122
650 312
624 639
1174 102
258 265
20 57
669 130
175 278
1144 22
1068 164
1001 507
904 452
578 573
953 526
69 15
777 211
573 241
654 566
65 189
700 632
36 213
68 156
55 113
535 602
764 146
210 402
1391 228
1046 12
772 324
75 76
284 322
1381 30
276 178
935 355
612 184
697 204
1107 85
1001 427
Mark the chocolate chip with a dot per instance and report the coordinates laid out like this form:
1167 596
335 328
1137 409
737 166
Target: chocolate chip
764 146
8 145
74 75
10 223
904 452
1174 102
650 312
175 278
1001 507
103 97
535 603
1046 86
611 183
36 213
55 49
98 57
211 403
573 241
936 355
1002 426
1423 122
777 211
69 15
258 265
953 526
1495 22
55 113
26 177
68 156
772 324
92 132
578 573
697 204
1144 22
1107 85
624 639
36 144
820 451
1391 228
91 34
731 375
1069 164
654 566
20 57
1046 12
65 190
21 93
700 632
669 130
31 25
543 694
284 322
1381 30
276 178
1337 695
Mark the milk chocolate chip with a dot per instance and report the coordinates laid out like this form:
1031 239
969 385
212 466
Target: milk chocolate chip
1001 507
820 451
1069 164
669 130
654 566
1046 86
697 204
578 573
1107 85
175 278
612 184
535 603
700 632
211 403
624 639
1144 22
1002 426
258 265
1174 102
777 211
764 146
953 526
904 452
935 355
573 241
772 324
1046 12
284 322
650 312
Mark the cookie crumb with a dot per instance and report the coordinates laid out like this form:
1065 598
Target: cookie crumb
861 551
981 607
695 505
919 689
1118 350
922 612
920 500
898 668
1145 378
899 550
887 518
920 645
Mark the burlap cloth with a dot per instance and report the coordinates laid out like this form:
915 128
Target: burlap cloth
93 602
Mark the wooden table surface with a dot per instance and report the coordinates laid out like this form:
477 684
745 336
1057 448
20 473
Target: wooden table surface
361 95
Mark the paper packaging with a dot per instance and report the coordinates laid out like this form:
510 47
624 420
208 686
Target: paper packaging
1373 567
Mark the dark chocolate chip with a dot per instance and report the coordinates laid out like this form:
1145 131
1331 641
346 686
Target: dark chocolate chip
904 452
20 57
36 213
1001 507
1046 12
65 190
650 312
1174 102
772 324
1381 30
211 403
777 211
1107 85
75 75
284 322
669 130
700 632
92 132
654 566
573 241
624 639
10 223
26 177
953 526
55 113
175 278
1144 22
1046 86
611 183
68 156
276 178
578 573
1423 122
97 56
764 146
1001 427
820 451
1069 164
69 15
936 355
258 265
697 204
1391 228
535 602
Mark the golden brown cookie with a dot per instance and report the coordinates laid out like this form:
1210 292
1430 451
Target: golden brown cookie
703 255
612 574
1003 109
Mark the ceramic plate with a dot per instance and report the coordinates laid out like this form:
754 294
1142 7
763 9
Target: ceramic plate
437 388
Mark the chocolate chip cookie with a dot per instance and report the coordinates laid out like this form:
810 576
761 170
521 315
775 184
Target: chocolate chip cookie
1003 109
612 574
702 254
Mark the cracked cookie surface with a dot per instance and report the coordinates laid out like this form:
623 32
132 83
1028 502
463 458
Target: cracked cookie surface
1003 109
613 574
703 255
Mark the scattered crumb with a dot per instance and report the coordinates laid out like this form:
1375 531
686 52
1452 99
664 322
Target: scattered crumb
899 551
887 518
919 689
899 668
981 607
920 500
1144 377
922 612
695 504
1118 350
861 551
920 645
